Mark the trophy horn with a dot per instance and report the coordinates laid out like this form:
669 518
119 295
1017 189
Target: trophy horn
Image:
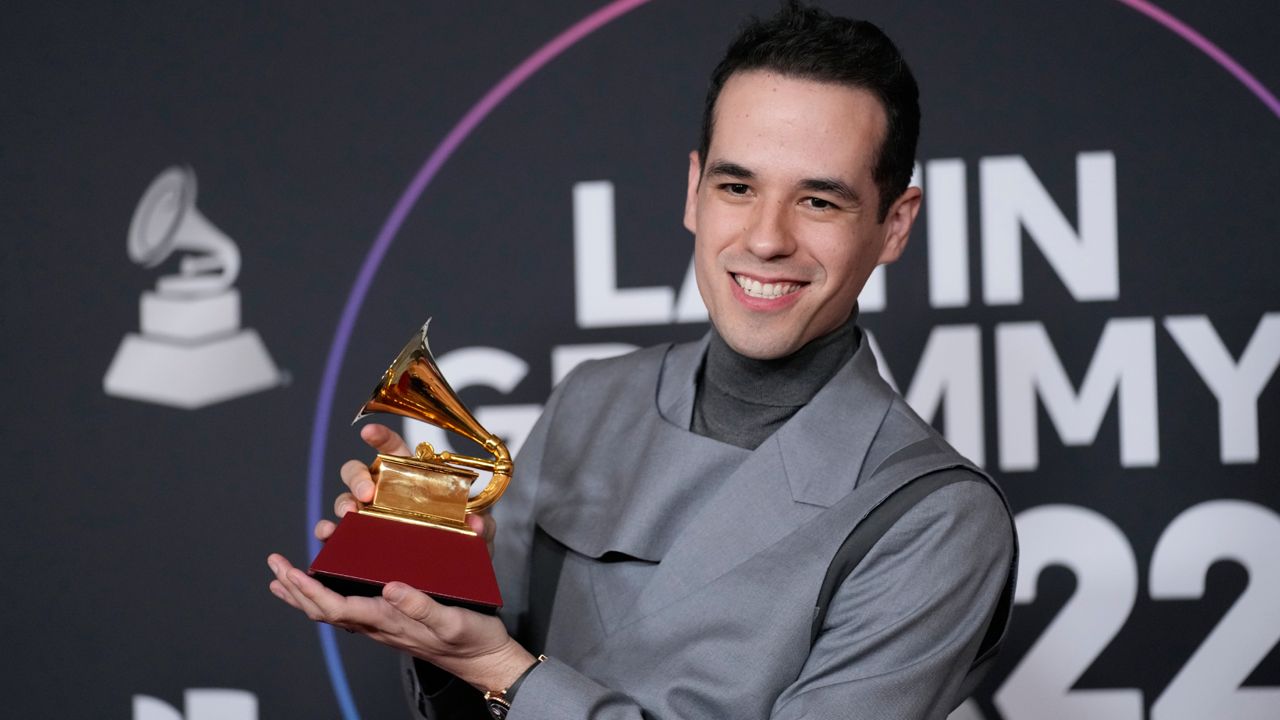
413 387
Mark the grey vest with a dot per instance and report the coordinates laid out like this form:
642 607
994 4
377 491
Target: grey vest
666 552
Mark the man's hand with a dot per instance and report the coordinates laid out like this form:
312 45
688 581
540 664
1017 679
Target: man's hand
355 475
474 647
471 646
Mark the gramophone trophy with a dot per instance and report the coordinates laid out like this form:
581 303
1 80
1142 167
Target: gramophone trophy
415 529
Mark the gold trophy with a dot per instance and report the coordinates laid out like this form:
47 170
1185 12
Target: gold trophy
415 529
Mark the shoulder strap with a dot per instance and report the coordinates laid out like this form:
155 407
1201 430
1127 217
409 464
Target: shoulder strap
868 532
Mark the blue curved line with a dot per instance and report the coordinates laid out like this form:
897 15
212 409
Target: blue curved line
337 674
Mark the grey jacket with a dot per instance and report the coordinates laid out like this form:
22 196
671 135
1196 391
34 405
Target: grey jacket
688 569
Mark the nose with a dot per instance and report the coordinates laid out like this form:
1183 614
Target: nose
769 234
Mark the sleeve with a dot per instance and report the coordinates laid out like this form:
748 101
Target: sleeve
900 635
555 690
904 627
432 693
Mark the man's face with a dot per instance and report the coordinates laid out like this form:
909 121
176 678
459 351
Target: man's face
785 212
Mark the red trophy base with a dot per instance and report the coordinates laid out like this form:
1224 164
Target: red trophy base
366 552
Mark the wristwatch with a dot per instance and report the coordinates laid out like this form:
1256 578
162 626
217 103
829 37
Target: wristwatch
498 702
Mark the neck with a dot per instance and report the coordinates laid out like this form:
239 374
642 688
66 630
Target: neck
742 400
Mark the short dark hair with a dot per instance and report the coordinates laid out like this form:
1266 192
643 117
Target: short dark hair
806 42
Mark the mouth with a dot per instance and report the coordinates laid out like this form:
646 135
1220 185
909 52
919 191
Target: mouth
752 287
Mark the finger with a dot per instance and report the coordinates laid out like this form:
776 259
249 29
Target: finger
384 439
320 603
277 589
355 474
415 604
485 526
324 530
284 572
278 562
344 504
367 615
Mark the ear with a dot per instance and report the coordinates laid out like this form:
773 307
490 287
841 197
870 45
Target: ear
691 193
897 225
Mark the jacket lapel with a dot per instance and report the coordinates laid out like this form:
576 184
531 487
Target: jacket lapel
809 464
824 446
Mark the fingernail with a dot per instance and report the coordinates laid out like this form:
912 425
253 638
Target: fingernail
365 489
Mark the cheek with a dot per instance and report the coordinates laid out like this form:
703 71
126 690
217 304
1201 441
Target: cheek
705 257
846 264
714 233
704 269
836 251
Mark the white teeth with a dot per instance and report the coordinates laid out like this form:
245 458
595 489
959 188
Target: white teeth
754 288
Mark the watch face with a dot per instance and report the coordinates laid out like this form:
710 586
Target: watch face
498 708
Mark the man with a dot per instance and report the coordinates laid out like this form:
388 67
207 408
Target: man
676 511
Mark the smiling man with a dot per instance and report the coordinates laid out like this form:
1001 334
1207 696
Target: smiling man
754 525
786 212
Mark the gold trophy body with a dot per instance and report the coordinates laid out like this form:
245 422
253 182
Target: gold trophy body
415 529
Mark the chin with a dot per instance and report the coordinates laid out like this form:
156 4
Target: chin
758 348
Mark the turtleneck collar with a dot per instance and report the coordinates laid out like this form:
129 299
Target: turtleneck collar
742 400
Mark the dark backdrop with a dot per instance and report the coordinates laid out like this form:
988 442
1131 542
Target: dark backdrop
136 533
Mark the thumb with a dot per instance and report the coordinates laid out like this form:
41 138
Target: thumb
384 439
417 605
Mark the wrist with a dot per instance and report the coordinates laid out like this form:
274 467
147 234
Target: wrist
504 667
498 702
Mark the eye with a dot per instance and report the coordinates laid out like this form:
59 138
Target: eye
736 188
818 203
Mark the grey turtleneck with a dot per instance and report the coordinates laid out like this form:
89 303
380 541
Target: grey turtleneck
741 400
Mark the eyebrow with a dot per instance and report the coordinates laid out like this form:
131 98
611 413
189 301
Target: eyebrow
730 169
833 186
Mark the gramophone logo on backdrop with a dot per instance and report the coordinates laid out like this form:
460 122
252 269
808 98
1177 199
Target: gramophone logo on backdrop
191 351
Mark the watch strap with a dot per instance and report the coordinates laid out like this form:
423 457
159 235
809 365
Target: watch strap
498 702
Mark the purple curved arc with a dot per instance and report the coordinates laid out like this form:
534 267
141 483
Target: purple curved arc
1207 47
369 268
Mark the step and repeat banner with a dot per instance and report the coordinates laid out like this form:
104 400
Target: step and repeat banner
221 222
